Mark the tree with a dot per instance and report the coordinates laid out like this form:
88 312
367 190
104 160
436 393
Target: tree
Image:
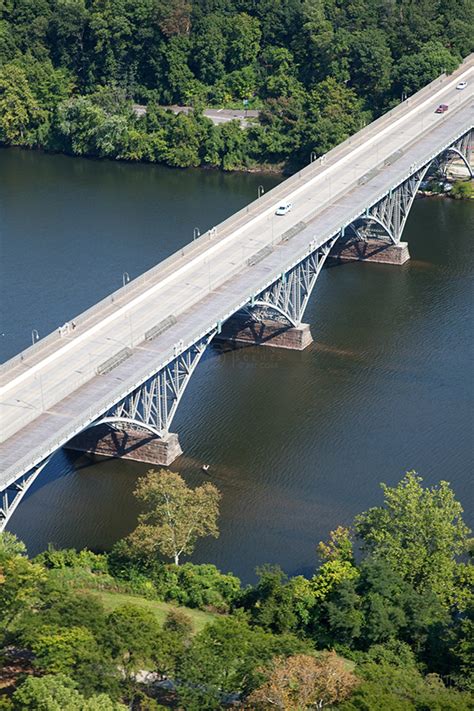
10 546
20 584
419 532
417 69
20 113
130 637
225 658
402 688
339 546
56 692
271 602
304 682
176 516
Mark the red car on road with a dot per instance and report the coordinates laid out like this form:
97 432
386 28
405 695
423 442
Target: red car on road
441 109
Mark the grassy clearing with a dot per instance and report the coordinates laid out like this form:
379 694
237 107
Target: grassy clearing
112 600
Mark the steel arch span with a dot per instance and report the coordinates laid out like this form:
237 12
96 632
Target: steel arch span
151 404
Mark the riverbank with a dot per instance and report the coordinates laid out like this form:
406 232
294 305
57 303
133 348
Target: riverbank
454 189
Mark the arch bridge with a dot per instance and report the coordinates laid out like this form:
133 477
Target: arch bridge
112 380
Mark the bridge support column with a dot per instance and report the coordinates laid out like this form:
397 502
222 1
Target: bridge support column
240 331
370 250
127 443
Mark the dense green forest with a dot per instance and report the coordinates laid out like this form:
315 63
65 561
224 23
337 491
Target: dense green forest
317 70
385 623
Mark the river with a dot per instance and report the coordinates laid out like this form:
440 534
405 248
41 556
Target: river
296 442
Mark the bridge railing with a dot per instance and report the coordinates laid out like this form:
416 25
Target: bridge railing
119 297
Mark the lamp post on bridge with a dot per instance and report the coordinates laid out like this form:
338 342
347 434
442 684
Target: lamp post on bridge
34 336
260 191
125 278
312 156
196 233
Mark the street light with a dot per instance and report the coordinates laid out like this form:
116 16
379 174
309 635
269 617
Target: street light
34 336
196 233
312 156
260 191
125 278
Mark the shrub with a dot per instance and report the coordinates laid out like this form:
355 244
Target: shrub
199 586
178 621
70 558
463 189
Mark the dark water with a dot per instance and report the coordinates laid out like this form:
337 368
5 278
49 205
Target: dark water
296 442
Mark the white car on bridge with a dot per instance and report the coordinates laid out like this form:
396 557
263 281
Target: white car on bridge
461 85
284 208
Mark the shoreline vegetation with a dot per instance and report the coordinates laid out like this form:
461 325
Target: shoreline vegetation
385 622
316 72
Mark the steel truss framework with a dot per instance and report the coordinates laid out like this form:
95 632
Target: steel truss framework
386 218
152 406
286 299
14 493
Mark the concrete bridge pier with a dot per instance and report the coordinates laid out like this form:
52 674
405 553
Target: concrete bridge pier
127 443
241 331
370 250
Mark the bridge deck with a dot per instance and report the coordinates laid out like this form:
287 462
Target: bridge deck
52 391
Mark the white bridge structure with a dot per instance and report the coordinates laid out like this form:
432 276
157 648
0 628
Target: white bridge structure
120 369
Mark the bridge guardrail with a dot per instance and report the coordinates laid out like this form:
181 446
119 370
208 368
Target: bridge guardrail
119 297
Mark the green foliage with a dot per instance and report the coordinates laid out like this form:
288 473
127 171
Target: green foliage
70 558
270 603
131 633
317 68
408 648
179 622
175 516
395 688
20 113
199 586
56 692
10 546
462 190
20 584
416 70
419 532
226 658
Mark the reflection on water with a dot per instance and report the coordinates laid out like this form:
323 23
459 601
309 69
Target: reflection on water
296 442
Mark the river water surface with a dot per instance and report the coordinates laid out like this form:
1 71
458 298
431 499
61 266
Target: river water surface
296 442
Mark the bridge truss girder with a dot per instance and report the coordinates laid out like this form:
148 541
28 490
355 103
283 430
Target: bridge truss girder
386 218
152 406
13 494
286 299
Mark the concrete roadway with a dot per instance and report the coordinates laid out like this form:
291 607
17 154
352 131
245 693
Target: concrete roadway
53 392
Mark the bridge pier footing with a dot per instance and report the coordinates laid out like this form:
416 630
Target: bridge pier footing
246 332
127 443
371 250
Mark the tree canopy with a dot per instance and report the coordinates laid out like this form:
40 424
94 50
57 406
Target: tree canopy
316 70
175 516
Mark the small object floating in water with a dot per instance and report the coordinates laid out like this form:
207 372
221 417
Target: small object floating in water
205 467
